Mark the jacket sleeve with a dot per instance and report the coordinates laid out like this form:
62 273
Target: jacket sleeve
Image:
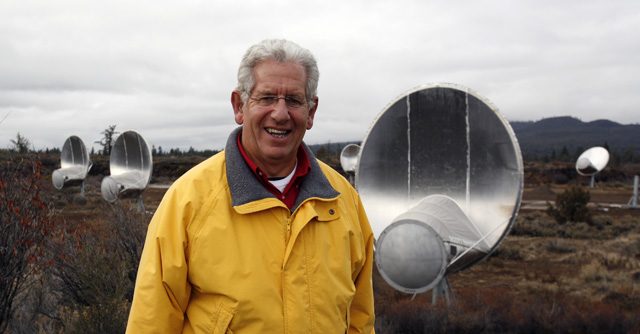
362 314
162 290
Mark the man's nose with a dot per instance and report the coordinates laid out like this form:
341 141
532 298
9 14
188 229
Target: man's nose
280 111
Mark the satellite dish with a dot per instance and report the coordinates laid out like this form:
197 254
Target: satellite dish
592 161
131 165
74 165
349 157
440 174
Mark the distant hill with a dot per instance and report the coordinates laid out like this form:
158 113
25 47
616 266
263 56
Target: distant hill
541 137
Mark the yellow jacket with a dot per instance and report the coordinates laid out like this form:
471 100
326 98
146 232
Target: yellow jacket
222 255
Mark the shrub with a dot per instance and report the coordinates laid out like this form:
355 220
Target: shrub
560 247
507 253
595 272
95 269
24 228
571 205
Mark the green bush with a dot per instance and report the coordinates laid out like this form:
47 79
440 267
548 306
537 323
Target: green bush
571 205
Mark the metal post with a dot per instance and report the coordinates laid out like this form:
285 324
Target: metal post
140 203
634 198
442 289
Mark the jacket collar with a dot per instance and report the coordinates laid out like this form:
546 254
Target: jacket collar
246 188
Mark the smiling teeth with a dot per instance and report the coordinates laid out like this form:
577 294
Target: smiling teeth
277 132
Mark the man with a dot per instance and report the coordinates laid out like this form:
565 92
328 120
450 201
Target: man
262 237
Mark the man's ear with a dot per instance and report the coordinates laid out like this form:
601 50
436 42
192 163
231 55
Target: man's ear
312 113
237 104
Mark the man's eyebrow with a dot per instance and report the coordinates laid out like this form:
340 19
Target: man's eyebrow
267 91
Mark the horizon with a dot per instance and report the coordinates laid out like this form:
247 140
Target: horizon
166 148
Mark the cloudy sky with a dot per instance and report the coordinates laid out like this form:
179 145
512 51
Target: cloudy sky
166 68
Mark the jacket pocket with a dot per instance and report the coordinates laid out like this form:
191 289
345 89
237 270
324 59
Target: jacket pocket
222 319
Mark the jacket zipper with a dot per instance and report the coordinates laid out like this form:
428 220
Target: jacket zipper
287 235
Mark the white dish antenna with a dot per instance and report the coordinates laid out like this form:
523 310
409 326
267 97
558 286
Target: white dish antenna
591 162
74 165
440 174
349 157
131 165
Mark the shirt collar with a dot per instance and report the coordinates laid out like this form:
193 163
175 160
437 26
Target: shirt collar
302 168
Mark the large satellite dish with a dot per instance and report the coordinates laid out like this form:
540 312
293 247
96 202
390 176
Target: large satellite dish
74 165
131 165
592 161
440 174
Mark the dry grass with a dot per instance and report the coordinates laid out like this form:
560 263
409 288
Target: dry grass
544 277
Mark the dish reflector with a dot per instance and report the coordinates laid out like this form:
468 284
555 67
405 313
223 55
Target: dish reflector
410 256
74 164
349 157
130 164
443 157
592 161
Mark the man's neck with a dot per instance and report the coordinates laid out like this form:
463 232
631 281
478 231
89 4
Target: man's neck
275 169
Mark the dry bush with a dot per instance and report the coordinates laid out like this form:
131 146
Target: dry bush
107 317
499 311
534 224
95 269
507 252
595 272
24 227
601 227
559 247
615 261
571 206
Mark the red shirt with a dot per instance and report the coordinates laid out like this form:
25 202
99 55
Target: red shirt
290 193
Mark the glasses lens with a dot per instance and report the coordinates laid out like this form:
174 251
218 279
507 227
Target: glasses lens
293 101
269 100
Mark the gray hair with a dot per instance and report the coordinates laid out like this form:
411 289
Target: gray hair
283 51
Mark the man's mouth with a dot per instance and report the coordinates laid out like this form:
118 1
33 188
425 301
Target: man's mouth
278 133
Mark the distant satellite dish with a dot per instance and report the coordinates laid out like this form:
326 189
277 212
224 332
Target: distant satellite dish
349 157
131 165
440 174
74 165
592 161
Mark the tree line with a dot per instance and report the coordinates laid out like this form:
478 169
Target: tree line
618 156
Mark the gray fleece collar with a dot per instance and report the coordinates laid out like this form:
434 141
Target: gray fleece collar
245 186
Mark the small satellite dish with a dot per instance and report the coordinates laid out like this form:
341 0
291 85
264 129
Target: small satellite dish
440 174
131 165
592 161
74 165
349 157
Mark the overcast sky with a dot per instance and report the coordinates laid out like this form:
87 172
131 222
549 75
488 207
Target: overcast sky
167 68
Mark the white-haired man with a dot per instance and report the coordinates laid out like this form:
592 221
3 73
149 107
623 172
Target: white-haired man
262 237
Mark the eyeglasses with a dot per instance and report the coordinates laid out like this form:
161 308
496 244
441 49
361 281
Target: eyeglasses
292 102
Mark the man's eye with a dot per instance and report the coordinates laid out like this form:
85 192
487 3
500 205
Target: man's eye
268 99
293 101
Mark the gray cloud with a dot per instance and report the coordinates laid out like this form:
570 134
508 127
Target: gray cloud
167 69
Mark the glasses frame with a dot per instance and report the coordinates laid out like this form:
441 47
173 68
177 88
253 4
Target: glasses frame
268 100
